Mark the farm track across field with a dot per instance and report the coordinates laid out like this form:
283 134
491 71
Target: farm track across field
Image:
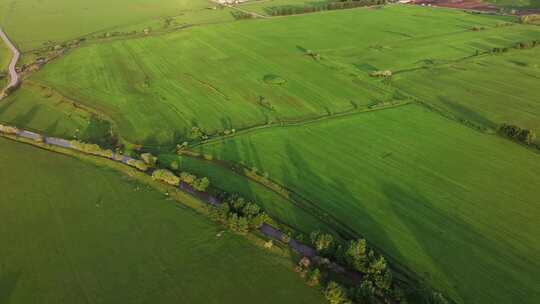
13 76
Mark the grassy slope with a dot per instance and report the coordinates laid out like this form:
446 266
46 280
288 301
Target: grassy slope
37 108
156 88
61 20
457 206
488 90
77 233
5 58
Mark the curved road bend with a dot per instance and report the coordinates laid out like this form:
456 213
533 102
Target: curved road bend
13 76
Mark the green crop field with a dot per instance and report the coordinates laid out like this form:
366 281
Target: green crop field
457 206
61 20
77 233
421 173
155 88
487 91
42 109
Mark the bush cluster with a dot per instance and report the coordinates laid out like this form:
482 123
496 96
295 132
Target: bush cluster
528 44
166 176
525 136
533 18
377 282
242 15
239 215
383 74
91 149
139 164
9 130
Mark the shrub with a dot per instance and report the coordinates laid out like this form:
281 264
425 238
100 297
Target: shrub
91 149
201 184
9 130
187 178
382 74
517 133
322 241
356 254
533 18
139 164
174 165
314 277
274 79
149 159
335 294
166 176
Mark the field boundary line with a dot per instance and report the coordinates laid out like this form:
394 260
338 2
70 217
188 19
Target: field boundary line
290 124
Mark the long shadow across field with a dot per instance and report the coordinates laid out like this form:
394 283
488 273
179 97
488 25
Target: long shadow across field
458 250
8 283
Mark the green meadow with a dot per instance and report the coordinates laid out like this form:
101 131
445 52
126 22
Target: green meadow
156 88
488 90
81 233
455 205
34 22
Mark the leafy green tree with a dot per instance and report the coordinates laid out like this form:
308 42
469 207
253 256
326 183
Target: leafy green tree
201 184
243 227
149 159
355 255
335 294
322 241
233 222
314 277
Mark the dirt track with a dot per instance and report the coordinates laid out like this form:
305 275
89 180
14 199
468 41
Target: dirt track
13 76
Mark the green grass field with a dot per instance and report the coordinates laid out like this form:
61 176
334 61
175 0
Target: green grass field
457 206
488 91
30 23
44 110
74 232
156 88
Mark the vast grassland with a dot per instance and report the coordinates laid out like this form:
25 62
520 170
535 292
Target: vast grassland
78 233
32 22
156 88
488 91
39 108
457 206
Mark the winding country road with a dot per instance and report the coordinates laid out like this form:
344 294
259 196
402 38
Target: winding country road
13 76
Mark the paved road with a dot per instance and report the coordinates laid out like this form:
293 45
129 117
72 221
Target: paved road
13 76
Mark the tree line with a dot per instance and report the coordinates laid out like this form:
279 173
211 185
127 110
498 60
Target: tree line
517 133
287 10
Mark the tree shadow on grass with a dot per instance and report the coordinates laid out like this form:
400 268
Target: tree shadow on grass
22 120
467 261
466 113
8 283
